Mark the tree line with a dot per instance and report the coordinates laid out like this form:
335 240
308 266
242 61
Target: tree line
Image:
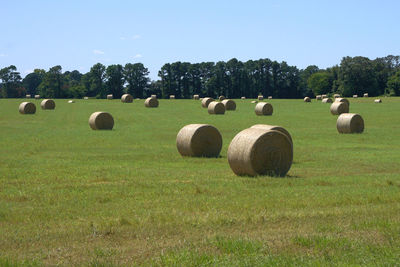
233 79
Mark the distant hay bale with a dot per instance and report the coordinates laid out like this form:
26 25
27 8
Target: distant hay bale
254 102
273 127
37 96
269 97
260 97
318 97
151 102
350 123
172 97
355 96
28 96
307 99
378 101
221 97
324 96
216 108
327 100
48 104
263 108
71 101
199 140
336 95
243 98
101 121
27 108
86 98
154 96
110 97
366 95
229 104
260 152
126 98
196 97
341 99
338 108
206 101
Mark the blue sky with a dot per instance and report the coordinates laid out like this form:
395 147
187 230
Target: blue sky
78 34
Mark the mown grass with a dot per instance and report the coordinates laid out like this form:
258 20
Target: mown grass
73 196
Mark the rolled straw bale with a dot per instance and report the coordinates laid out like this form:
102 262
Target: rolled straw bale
153 96
273 127
71 101
260 97
336 95
355 96
327 100
196 97
341 99
28 96
126 98
270 97
366 95
48 104
243 98
101 121
172 97
324 96
259 152
221 97
27 108
229 104
263 108
254 101
338 108
378 101
86 98
37 96
307 99
318 97
199 140
216 108
350 123
110 97
151 102
206 101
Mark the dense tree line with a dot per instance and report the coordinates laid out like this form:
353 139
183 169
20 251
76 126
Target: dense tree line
233 79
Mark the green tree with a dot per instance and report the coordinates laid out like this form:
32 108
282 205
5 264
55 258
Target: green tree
393 84
320 83
32 81
136 76
95 81
11 82
115 80
304 75
52 83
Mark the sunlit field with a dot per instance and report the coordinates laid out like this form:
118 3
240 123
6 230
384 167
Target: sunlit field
73 196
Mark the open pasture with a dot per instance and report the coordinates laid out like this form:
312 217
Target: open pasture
73 196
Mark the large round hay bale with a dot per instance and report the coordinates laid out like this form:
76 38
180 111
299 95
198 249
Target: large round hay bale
307 99
350 123
338 108
27 108
153 96
206 101
48 104
318 97
324 96
151 102
101 121
196 97
71 101
327 100
221 97
378 101
341 99
259 152
110 97
365 95
243 98
260 97
273 127
172 97
336 95
355 96
270 97
263 108
28 96
126 98
229 104
254 102
37 96
216 108
199 140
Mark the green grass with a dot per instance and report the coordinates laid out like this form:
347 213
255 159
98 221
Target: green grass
73 196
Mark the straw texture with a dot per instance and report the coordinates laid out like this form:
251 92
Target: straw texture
378 101
307 99
216 108
338 108
267 127
109 97
263 108
101 121
229 104
48 104
327 100
126 98
318 97
37 96
206 101
221 97
365 95
151 102
350 123
260 97
172 97
341 99
28 96
196 97
27 108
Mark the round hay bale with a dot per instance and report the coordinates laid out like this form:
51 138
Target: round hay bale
355 96
259 152
263 108
336 95
350 123
307 99
270 97
327 100
196 97
229 104
221 97
275 128
37 96
338 108
101 121
48 104
254 101
154 96
110 97
71 101
151 102
126 98
243 98
318 97
216 108
27 108
324 96
260 97
206 101
86 98
199 140
172 97
28 96
341 99
366 95
378 101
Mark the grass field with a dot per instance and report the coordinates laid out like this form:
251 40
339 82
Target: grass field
73 196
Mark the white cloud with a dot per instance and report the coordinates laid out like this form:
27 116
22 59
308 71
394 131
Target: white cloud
98 52
136 36
138 56
28 71
133 37
3 55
